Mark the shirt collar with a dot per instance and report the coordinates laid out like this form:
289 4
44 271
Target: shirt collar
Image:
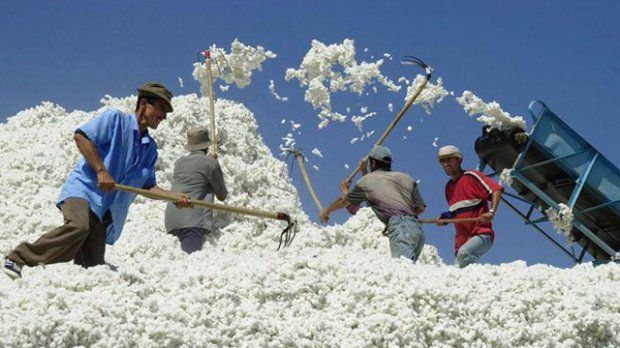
133 120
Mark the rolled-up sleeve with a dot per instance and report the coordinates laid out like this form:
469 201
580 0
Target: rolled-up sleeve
356 196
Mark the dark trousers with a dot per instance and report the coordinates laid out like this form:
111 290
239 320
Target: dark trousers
81 238
191 238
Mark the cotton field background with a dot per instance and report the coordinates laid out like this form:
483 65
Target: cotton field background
334 286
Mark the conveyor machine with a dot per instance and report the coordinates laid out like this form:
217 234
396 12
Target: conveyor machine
554 166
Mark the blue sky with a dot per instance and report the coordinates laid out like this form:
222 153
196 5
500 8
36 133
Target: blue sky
565 53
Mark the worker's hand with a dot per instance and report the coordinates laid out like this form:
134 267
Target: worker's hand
486 217
184 201
352 209
439 222
324 216
105 180
364 165
385 231
344 187
214 155
444 215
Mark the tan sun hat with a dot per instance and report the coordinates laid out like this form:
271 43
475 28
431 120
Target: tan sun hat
449 151
197 139
157 90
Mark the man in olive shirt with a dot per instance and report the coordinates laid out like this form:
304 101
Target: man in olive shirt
199 175
395 199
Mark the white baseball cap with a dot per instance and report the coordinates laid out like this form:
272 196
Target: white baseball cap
449 151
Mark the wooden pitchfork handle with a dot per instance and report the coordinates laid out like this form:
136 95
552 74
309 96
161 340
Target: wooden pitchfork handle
300 160
171 197
449 221
397 118
207 54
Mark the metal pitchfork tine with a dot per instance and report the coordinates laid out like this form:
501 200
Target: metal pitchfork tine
227 69
411 60
289 233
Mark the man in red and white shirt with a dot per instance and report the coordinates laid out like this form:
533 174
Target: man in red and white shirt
467 193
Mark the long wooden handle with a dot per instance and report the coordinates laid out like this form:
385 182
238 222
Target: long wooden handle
173 198
211 105
395 121
304 173
449 221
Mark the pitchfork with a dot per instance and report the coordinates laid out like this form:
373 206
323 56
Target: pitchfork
227 70
407 60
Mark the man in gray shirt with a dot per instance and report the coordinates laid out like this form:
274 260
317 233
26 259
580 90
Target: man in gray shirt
394 198
200 176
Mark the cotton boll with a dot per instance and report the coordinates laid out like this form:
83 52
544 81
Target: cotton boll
236 67
317 152
272 90
317 73
429 96
505 177
491 113
562 219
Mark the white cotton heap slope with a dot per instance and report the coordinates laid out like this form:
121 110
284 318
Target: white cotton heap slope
335 286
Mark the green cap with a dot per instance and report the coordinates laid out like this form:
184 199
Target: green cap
157 90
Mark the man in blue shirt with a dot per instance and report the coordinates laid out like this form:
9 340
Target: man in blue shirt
116 148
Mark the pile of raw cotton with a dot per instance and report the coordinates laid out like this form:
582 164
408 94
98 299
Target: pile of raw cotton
334 286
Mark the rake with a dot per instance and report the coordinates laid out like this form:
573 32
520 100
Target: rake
286 237
449 221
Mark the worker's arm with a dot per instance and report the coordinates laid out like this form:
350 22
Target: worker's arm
90 153
216 179
495 199
338 204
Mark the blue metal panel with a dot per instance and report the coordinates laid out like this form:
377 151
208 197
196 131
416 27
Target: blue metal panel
558 166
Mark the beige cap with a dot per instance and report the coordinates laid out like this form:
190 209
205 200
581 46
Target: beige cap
449 151
197 139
